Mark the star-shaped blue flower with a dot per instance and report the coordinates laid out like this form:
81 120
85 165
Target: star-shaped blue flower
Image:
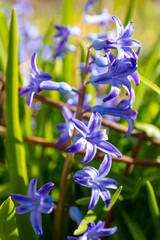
65 128
95 179
37 202
125 112
122 42
95 232
92 139
41 81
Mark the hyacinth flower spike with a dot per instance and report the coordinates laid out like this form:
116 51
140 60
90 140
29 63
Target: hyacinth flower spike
125 112
92 139
122 42
37 202
66 128
41 81
95 232
96 180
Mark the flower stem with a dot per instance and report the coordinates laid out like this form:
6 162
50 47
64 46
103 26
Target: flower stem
59 211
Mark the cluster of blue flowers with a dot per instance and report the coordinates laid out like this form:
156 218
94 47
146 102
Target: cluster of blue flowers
104 68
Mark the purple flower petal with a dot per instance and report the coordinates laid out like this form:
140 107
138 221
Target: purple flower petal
119 25
99 225
108 182
100 135
61 127
129 30
32 189
33 64
81 127
106 232
21 199
136 78
109 148
49 85
90 153
46 207
105 166
90 171
67 113
29 99
24 91
45 189
94 198
94 122
64 138
78 146
43 76
36 221
105 195
113 93
24 209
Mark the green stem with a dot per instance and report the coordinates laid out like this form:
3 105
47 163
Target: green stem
59 211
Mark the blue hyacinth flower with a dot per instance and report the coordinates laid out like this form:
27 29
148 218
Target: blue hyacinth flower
66 128
37 202
95 232
102 18
41 81
118 73
61 39
92 139
97 181
122 42
124 111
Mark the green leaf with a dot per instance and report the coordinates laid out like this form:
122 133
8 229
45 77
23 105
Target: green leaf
5 189
131 10
114 198
68 61
8 225
14 144
83 201
150 84
149 129
133 226
152 202
4 30
67 15
15 151
90 217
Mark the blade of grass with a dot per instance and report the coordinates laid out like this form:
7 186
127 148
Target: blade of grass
131 10
135 230
15 151
68 62
150 84
154 209
152 202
